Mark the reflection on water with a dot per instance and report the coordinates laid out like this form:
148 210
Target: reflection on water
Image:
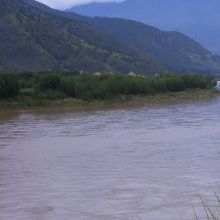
138 163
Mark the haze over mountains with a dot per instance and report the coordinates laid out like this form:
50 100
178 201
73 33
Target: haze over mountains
35 37
199 19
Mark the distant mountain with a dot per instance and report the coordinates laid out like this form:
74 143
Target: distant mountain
199 19
35 38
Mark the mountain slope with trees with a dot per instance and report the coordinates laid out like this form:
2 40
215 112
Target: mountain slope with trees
174 49
35 37
34 40
178 51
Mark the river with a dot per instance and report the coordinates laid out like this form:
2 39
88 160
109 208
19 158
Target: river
142 163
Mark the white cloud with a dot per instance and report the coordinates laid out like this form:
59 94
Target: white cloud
65 4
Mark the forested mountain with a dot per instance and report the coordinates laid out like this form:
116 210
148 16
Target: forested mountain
199 19
34 39
178 51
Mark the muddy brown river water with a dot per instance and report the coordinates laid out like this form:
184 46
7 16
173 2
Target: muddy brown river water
141 163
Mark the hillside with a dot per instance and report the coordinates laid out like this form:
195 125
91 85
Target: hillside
33 39
196 18
178 51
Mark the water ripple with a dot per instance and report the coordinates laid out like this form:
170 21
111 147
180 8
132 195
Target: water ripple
138 163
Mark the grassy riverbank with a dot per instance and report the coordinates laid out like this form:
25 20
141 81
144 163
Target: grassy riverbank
23 102
69 89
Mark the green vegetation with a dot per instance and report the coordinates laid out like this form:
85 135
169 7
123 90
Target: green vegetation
9 86
41 88
40 39
37 38
174 49
89 87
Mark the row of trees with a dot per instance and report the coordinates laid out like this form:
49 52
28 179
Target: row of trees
108 86
100 87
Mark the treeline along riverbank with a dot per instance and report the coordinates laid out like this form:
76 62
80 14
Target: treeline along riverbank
36 88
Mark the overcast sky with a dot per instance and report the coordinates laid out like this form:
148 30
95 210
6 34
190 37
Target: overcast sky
64 4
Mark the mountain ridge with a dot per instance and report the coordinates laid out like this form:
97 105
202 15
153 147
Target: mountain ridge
194 59
35 40
198 19
178 51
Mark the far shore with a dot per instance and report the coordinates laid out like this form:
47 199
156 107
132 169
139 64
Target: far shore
22 103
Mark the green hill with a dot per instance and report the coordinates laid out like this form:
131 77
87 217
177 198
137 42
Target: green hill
35 37
178 51
34 40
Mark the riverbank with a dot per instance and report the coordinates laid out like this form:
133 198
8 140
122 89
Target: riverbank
26 102
83 91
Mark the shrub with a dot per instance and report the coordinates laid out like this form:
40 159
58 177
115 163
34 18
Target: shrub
159 85
175 84
68 86
48 82
198 81
9 86
106 86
